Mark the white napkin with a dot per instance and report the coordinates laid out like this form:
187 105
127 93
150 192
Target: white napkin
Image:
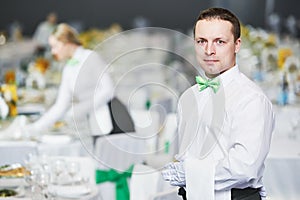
200 178
3 108
16 129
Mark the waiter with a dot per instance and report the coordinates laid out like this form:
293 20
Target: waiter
85 88
225 120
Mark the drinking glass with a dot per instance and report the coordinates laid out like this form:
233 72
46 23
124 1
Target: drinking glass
57 168
73 169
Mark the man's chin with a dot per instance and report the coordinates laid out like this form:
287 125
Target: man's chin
212 74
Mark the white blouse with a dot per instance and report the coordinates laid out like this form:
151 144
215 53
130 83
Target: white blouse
85 86
233 127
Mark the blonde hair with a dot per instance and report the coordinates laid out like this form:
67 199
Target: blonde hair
66 34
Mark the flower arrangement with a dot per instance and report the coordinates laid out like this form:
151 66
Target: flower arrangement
92 37
41 64
10 77
10 96
36 73
283 54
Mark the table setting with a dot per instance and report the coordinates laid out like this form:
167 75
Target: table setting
60 140
45 177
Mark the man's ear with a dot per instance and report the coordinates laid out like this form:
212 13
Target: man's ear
238 43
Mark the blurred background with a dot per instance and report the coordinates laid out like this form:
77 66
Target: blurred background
167 14
151 68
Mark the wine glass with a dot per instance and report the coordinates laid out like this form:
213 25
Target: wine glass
42 180
32 180
31 160
58 168
73 169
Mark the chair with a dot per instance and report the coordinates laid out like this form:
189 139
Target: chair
147 183
167 144
147 126
16 151
118 152
168 135
120 120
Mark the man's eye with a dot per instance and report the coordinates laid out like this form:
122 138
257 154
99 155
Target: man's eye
220 42
200 41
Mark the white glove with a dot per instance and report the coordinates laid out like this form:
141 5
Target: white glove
174 173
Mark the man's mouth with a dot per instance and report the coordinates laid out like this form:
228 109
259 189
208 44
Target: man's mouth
210 61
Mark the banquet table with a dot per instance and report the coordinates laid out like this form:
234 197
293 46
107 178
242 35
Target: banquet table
51 143
91 196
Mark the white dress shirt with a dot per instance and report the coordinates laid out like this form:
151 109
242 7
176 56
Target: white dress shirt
232 127
85 86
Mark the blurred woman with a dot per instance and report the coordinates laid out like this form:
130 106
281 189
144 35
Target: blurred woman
85 87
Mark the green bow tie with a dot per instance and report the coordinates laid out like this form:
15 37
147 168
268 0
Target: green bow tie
72 62
122 190
205 83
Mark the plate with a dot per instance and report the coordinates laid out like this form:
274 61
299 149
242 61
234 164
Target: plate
11 182
56 139
69 191
31 109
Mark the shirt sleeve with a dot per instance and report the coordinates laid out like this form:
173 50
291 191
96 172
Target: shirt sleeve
252 125
60 106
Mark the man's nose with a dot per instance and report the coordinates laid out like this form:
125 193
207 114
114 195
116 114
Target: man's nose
210 49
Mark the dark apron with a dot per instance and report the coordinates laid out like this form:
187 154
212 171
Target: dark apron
236 194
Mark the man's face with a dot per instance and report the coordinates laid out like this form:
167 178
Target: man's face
58 49
215 46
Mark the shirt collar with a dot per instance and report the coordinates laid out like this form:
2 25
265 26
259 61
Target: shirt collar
77 53
75 59
227 76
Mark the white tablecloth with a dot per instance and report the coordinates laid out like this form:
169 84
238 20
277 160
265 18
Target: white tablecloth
18 151
282 172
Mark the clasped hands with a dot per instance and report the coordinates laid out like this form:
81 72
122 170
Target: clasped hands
174 173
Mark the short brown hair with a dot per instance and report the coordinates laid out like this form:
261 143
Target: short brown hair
222 14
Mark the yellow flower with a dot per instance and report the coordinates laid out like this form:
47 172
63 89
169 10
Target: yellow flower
92 37
283 54
271 40
10 95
